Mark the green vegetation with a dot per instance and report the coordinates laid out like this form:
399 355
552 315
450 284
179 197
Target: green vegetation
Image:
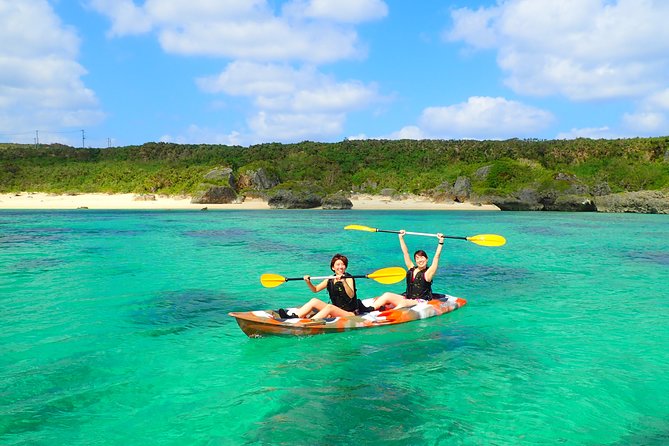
369 165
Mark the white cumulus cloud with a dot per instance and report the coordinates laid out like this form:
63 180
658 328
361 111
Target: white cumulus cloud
483 118
272 54
294 103
579 49
40 78
313 31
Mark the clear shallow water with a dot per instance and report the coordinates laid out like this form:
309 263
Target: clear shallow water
114 330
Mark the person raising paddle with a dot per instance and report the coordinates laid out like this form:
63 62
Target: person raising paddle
342 291
418 279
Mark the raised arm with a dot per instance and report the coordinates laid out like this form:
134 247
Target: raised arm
432 270
405 251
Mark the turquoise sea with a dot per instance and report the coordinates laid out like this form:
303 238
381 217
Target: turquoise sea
114 330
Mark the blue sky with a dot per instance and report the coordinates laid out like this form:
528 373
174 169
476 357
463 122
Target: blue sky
244 72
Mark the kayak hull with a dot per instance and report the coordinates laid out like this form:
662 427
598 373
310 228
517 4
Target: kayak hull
268 323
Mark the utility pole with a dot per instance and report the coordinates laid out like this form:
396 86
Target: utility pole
36 138
83 139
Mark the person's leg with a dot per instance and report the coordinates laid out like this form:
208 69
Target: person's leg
387 298
405 303
306 308
332 311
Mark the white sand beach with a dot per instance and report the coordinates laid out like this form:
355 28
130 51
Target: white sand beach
39 200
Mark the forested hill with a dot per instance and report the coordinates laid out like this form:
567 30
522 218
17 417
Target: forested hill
411 166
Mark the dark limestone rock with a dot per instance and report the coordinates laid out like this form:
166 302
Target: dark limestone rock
337 201
462 189
296 196
524 200
257 179
215 195
572 203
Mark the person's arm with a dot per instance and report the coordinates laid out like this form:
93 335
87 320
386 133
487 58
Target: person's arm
405 251
432 270
315 288
349 285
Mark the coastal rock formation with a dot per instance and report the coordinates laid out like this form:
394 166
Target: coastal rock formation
257 179
301 195
337 201
462 189
219 187
442 193
571 203
287 199
215 195
525 200
642 202
221 177
600 189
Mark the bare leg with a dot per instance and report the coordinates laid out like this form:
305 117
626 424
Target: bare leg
387 298
331 310
306 308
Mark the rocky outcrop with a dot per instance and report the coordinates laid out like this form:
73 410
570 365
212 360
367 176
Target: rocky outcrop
459 192
571 203
337 201
221 177
442 193
296 196
600 189
215 195
642 202
219 187
462 189
525 200
257 179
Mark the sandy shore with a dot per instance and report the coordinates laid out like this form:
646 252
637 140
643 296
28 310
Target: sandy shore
38 200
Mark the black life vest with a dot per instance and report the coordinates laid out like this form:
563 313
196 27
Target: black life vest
338 295
418 287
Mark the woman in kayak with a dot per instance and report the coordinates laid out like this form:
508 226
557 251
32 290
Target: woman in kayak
418 280
342 293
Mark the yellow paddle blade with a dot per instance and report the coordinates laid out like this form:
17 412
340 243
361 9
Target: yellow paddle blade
487 239
360 228
271 280
390 275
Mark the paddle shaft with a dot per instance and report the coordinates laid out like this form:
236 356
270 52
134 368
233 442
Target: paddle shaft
421 233
327 277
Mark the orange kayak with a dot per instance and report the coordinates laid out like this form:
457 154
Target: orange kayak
268 323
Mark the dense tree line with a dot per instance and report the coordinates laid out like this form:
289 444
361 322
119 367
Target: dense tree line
414 166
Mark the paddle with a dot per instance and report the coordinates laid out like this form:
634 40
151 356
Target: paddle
385 276
481 239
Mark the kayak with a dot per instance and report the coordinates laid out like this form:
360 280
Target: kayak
268 323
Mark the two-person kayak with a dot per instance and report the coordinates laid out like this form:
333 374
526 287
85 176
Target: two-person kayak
269 323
